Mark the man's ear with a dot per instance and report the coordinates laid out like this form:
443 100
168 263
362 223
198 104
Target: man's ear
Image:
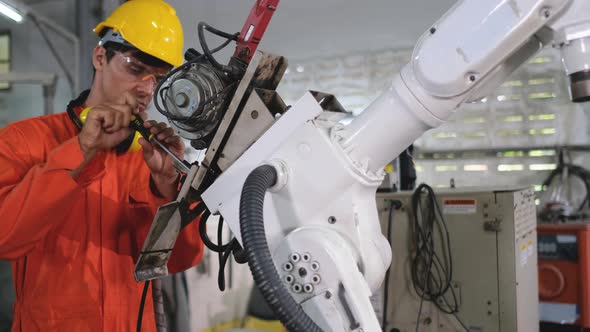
99 58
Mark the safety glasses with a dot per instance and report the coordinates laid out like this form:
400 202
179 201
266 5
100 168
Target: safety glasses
134 70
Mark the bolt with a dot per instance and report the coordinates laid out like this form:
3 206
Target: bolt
489 313
328 295
332 220
489 302
472 78
254 114
432 30
315 266
181 100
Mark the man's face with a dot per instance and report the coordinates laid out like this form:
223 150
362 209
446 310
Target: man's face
126 74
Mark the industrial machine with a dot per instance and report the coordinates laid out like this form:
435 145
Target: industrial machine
297 186
564 271
491 261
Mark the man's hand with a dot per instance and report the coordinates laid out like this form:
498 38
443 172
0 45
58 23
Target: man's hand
159 162
106 126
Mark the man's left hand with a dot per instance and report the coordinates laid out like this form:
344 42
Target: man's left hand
159 162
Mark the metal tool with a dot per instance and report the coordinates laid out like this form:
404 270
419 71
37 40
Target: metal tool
181 166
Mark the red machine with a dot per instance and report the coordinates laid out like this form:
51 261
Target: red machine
564 273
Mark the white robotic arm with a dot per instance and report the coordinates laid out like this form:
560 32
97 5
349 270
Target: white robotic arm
313 241
464 57
320 217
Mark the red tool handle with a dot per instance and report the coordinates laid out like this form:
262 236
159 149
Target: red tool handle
254 28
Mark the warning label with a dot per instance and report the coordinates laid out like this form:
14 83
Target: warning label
459 206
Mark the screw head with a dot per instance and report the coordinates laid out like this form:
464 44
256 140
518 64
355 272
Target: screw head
254 114
332 220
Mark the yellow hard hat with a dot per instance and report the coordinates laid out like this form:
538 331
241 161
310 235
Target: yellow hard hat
151 26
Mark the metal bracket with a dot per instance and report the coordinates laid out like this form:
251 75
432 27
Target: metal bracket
264 71
156 250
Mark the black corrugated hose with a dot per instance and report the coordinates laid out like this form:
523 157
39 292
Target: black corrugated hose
259 256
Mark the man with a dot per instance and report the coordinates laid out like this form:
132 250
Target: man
75 205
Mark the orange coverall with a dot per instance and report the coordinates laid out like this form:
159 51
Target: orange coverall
73 244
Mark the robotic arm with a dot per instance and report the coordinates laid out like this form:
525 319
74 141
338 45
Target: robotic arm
319 217
301 198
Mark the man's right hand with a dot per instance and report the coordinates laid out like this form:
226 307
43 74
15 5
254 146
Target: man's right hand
106 126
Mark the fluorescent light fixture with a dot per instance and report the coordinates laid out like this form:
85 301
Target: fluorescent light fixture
12 11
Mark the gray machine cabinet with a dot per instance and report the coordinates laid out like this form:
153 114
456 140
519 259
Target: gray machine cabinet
494 251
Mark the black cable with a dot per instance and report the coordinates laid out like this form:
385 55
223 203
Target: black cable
223 258
220 33
220 254
225 43
59 60
260 261
208 53
394 206
142 304
205 238
224 251
431 272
